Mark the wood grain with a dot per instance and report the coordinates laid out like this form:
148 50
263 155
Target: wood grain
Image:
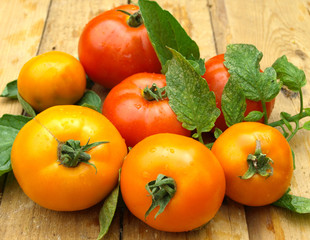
21 27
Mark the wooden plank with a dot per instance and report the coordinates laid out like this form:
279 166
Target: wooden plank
21 27
20 218
276 28
230 222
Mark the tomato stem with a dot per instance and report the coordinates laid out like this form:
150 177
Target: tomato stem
71 153
135 20
154 93
162 191
258 163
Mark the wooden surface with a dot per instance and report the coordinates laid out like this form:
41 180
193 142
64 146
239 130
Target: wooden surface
276 27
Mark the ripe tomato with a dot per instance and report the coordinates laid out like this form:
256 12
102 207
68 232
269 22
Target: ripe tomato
111 48
52 78
217 76
232 149
40 162
196 175
136 114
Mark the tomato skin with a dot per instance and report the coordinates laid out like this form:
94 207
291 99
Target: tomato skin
134 116
110 50
200 182
232 148
217 76
52 78
54 186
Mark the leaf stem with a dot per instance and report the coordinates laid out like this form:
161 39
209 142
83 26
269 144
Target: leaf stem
301 101
265 112
294 132
294 118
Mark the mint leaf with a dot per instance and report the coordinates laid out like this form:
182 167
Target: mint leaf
217 132
294 203
26 106
9 127
91 100
289 74
107 212
189 95
233 102
254 116
242 61
165 31
10 90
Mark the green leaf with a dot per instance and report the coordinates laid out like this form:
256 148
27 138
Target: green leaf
289 74
91 100
107 212
254 116
9 127
10 90
189 95
242 61
233 102
165 31
306 125
26 106
217 132
294 203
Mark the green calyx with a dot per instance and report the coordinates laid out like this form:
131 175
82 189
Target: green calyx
135 20
258 163
154 93
71 153
162 191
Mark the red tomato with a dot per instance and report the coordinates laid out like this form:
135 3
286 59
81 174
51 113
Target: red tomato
136 117
217 76
111 50
198 181
236 145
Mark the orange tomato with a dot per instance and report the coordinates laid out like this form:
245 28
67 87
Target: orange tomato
52 78
232 149
44 177
198 176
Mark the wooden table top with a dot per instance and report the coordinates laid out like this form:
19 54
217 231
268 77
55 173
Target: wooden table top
31 27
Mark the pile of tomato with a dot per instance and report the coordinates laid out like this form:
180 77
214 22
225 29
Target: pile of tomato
68 157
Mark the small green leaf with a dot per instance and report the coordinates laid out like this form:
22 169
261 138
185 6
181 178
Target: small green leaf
9 127
294 203
91 100
217 132
254 116
107 212
242 61
233 102
189 95
10 90
289 74
306 125
26 106
165 31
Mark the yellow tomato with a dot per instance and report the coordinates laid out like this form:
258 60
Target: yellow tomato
44 171
53 78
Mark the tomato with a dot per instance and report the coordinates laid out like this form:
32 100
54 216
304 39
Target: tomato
111 48
52 78
136 114
40 162
232 149
217 76
196 175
